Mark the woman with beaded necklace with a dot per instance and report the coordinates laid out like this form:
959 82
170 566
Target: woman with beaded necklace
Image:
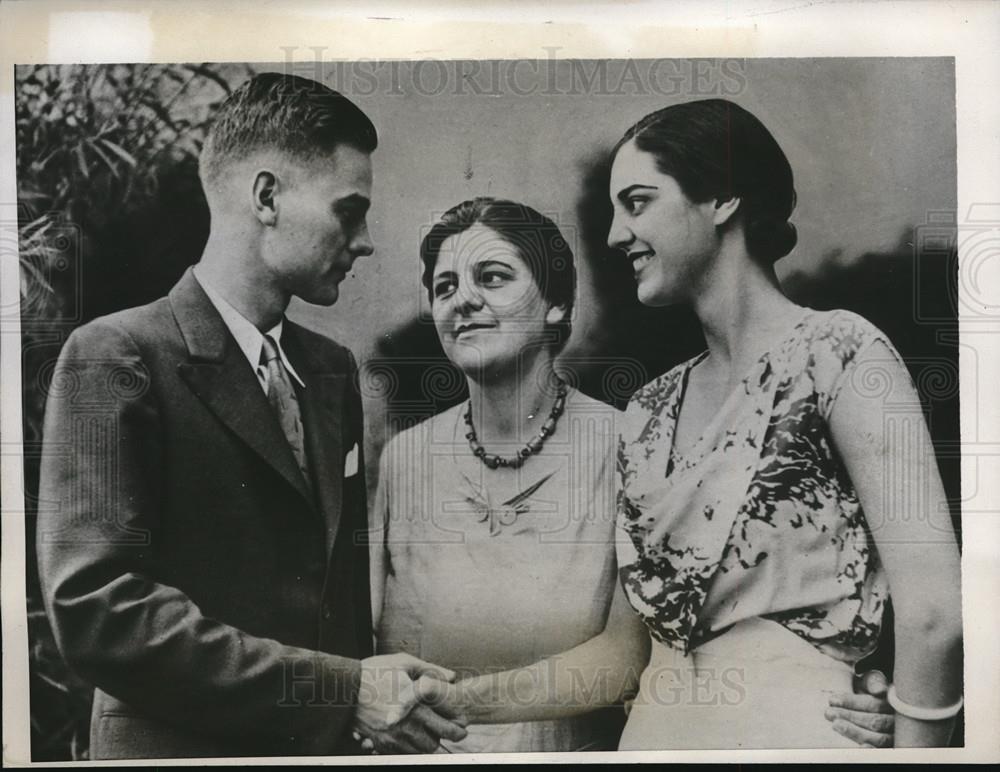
498 514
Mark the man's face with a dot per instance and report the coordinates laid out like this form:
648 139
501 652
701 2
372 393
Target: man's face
320 228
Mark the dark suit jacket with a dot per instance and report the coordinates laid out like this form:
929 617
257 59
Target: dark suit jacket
219 606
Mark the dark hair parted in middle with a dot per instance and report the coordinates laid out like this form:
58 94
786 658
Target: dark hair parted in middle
285 112
536 238
716 149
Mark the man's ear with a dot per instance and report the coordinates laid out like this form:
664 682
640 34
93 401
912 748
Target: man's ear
555 315
262 194
725 210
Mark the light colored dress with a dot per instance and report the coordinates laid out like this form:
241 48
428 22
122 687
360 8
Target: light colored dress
486 570
750 559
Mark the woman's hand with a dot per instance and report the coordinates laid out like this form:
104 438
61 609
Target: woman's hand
447 699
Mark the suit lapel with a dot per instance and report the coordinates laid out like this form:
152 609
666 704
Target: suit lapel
322 403
220 376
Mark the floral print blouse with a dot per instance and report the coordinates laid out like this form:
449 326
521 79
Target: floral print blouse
760 518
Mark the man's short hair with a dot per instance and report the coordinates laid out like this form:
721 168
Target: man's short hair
289 113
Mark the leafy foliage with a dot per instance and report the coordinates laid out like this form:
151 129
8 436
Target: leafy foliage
91 138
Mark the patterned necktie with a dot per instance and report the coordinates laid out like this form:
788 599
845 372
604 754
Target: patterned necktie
281 395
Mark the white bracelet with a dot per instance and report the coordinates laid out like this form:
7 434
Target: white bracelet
922 714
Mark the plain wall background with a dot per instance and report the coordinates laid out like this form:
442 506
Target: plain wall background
871 143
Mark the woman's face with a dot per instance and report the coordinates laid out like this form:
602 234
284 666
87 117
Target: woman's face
486 305
668 239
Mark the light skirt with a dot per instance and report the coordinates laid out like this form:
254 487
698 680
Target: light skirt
758 685
525 737
598 730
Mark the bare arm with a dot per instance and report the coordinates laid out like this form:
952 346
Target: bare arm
601 671
887 451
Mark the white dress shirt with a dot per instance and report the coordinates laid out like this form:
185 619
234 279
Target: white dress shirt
248 337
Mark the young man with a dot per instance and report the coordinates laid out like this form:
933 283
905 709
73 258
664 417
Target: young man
201 565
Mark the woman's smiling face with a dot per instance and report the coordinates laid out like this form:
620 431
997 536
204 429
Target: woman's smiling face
486 304
668 238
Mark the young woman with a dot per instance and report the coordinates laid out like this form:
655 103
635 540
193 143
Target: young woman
778 487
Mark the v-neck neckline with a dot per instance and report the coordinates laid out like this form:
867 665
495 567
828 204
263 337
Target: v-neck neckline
696 452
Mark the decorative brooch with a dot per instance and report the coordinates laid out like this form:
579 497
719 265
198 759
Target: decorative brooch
505 513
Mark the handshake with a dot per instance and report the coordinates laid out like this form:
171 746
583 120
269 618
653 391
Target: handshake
406 705
393 714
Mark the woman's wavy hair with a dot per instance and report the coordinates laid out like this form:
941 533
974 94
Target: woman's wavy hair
536 238
715 149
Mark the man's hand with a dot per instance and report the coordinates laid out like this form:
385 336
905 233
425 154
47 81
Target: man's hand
388 714
444 696
420 732
865 718
386 694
